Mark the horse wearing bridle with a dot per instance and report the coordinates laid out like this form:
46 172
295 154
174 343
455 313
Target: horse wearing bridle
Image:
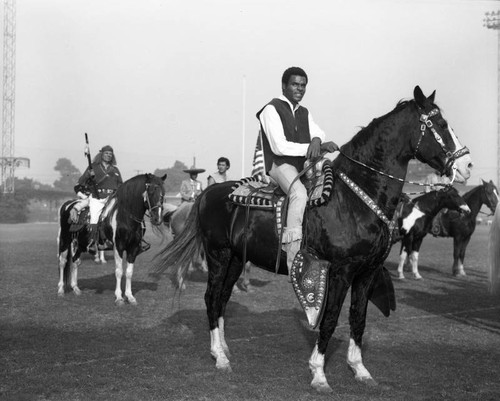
350 233
121 222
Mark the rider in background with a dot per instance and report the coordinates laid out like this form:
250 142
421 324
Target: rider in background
191 188
435 178
106 178
221 174
290 137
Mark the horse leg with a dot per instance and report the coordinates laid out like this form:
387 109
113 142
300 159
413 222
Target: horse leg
118 275
357 321
63 261
414 258
128 283
402 260
103 259
336 294
224 271
74 277
459 246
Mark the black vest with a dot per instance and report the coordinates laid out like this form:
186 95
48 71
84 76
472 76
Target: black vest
296 129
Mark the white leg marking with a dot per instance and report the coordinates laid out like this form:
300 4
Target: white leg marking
217 351
128 283
355 362
223 338
316 366
458 269
118 275
74 278
63 257
402 260
414 265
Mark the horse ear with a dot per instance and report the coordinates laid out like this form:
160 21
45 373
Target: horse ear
484 182
419 96
164 177
432 96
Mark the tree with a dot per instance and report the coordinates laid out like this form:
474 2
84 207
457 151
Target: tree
175 176
69 175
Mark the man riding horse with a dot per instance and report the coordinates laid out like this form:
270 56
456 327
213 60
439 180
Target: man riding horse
290 137
100 180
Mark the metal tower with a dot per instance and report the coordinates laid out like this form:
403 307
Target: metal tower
8 161
492 21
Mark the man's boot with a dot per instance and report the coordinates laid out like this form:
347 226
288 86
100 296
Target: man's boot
291 249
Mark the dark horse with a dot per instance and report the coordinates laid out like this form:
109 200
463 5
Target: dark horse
416 219
352 234
121 222
461 227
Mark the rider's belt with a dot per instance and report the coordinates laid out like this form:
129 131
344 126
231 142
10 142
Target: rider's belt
106 191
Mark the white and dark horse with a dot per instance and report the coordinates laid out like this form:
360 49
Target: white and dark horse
416 219
121 222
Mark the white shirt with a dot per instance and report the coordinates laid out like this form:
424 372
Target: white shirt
273 128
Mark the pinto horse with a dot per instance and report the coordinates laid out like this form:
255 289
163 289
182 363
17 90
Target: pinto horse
416 219
121 222
351 231
461 227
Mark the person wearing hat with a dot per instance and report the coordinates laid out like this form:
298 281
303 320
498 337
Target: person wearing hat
221 174
191 188
106 178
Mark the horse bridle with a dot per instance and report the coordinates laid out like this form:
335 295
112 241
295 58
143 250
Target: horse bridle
451 156
150 208
426 123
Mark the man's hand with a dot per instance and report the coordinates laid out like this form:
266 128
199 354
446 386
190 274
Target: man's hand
314 149
329 147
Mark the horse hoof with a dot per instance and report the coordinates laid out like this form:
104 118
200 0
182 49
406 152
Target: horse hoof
322 387
224 368
369 381
104 261
419 277
77 291
119 302
401 277
132 301
60 294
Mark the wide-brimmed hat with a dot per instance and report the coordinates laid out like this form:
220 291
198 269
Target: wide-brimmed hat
194 170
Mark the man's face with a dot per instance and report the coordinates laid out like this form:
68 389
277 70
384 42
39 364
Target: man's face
222 167
295 89
107 156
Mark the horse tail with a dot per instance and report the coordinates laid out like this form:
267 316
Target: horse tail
494 253
178 254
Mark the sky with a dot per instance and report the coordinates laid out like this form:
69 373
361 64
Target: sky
171 80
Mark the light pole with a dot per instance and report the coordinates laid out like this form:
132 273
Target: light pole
492 21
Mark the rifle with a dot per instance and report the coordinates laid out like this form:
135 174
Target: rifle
91 182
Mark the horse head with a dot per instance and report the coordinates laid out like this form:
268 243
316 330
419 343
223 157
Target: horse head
153 197
492 196
450 157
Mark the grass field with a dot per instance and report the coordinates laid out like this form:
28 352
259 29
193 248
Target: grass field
442 343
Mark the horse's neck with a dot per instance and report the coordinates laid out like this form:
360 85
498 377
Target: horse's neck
474 200
385 147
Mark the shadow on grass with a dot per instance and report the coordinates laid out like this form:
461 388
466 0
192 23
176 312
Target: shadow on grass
108 283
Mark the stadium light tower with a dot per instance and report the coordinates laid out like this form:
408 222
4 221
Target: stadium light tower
492 21
8 161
